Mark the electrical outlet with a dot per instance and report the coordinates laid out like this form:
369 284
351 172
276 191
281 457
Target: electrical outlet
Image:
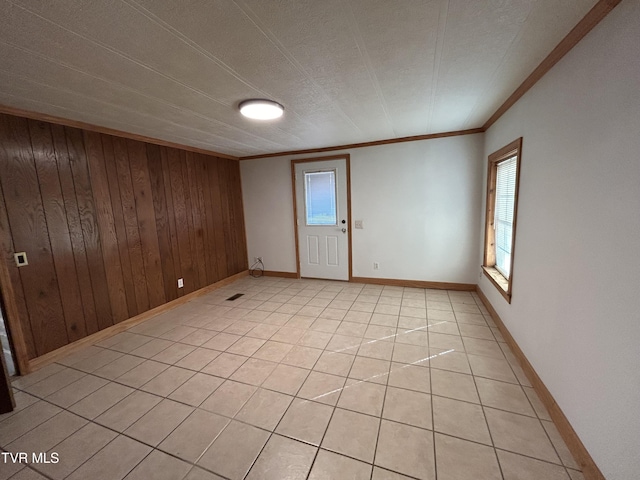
257 259
359 224
181 283
376 265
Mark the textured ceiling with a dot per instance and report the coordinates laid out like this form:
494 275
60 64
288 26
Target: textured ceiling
346 71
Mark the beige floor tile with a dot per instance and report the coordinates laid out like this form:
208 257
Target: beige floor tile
278 318
198 338
101 400
178 333
306 421
77 449
520 434
152 348
174 353
494 368
376 349
439 305
413 337
504 396
446 342
411 377
361 307
198 359
289 334
22 401
460 419
487 348
262 331
283 458
387 309
322 387
234 451
409 323
119 367
406 449
10 469
264 409
465 308
352 329
273 351
224 365
197 473
442 326
382 474
363 397
575 475
26 420
407 406
229 398
333 314
129 410
153 427
440 315
240 327
334 363
370 370
55 382
102 465
561 447
47 434
352 434
254 371
457 459
344 344
384 319
286 379
75 392
454 385
302 322
222 341
517 467
537 404
470 318
138 376
28 474
476 331
414 354
197 389
246 346
193 436
97 361
329 465
315 339
159 466
449 360
168 381
383 333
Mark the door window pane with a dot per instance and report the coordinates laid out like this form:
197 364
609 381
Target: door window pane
320 197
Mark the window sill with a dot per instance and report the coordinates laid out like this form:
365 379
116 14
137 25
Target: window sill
501 283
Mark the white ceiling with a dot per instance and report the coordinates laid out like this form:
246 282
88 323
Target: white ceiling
346 71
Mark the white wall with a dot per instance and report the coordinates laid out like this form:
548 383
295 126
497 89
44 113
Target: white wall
575 309
419 202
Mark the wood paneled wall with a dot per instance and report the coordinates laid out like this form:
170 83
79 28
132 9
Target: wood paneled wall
109 225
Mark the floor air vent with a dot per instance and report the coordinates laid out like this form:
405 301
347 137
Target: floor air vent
234 297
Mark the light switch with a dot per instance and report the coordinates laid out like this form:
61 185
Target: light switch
359 224
21 259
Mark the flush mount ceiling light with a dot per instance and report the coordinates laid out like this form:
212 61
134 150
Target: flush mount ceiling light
260 109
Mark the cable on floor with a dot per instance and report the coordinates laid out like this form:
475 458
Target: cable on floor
253 269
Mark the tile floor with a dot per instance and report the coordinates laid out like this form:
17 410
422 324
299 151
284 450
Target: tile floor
297 379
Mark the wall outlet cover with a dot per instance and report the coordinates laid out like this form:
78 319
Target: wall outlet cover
359 224
181 283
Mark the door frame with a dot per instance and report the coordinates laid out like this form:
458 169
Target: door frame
12 320
347 158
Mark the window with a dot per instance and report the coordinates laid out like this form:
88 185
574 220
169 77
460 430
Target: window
320 197
500 220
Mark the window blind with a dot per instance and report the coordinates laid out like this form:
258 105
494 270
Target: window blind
503 221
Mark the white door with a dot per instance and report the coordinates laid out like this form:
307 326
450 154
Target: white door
323 223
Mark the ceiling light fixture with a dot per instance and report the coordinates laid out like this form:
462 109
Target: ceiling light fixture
259 109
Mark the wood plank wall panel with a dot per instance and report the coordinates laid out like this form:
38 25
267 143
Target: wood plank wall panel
109 225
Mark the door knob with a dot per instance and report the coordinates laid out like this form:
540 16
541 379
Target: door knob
344 230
